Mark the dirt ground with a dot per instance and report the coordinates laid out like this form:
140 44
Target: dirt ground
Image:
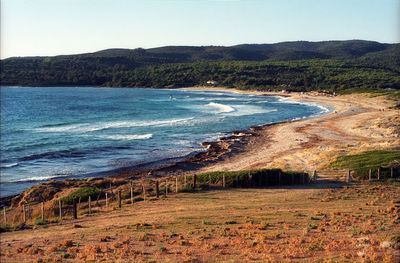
327 221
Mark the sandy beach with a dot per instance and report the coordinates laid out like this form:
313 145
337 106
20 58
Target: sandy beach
358 123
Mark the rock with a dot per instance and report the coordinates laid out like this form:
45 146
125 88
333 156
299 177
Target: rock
386 244
23 226
361 254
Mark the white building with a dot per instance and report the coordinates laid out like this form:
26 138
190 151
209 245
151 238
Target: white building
212 82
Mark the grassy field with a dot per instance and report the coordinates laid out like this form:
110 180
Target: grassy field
317 222
371 160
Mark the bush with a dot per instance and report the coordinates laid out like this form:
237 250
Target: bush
82 193
39 221
260 177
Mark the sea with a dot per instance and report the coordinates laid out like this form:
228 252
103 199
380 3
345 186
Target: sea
78 132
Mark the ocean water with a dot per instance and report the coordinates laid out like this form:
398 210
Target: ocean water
69 132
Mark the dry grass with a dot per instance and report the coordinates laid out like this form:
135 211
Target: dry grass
272 224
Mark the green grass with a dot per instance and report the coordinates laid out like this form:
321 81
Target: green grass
362 163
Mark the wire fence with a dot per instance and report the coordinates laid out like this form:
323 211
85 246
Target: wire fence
91 200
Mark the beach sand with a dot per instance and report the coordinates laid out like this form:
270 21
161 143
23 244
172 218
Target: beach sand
358 123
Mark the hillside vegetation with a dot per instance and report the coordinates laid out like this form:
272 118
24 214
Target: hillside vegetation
296 66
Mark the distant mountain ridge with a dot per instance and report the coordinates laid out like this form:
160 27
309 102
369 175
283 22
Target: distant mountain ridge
94 68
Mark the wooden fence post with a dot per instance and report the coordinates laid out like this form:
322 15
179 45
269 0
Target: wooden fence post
119 199
74 210
106 200
194 181
5 216
166 188
379 173
315 176
97 200
184 180
144 193
280 178
251 179
209 180
157 189
348 179
42 211
131 193
176 184
391 172
29 212
24 212
223 180
90 205
370 174
60 208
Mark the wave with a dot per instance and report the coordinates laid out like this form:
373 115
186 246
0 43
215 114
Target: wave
35 179
127 137
83 128
9 165
221 107
246 110
17 148
52 155
324 108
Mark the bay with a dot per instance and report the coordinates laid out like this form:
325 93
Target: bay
76 132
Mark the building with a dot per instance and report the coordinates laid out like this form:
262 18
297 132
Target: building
212 82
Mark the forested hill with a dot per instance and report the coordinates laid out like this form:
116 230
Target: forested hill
300 65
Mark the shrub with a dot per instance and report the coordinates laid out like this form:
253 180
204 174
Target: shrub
82 193
260 177
39 221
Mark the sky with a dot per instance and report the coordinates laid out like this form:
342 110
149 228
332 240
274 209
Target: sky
55 27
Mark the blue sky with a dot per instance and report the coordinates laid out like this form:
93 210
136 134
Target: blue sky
53 27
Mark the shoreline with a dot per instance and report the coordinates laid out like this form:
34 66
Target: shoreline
289 145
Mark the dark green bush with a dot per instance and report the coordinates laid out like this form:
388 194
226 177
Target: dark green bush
260 177
82 193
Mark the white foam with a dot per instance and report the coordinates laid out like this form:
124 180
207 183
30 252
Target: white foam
37 178
9 165
222 108
127 137
82 128
246 110
324 108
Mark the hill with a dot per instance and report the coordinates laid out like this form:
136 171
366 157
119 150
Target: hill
297 65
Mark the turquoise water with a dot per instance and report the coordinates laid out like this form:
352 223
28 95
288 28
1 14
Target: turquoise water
67 132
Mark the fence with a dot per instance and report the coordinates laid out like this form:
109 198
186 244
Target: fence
90 199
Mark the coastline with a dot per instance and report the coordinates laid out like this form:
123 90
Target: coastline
304 145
